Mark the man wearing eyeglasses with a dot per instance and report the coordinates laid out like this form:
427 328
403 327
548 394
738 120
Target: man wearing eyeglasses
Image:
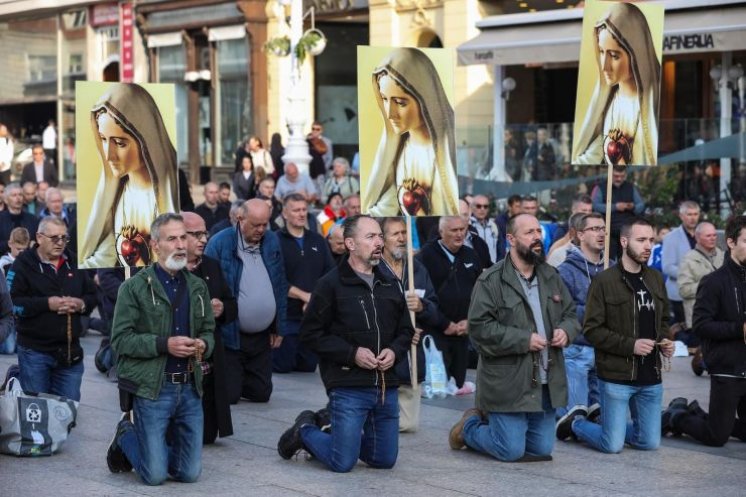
583 263
49 296
485 226
215 404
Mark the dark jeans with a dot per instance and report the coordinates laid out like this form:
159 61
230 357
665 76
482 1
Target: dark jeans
249 369
455 351
677 307
41 373
364 426
727 397
292 355
178 412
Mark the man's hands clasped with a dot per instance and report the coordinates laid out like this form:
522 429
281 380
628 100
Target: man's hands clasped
366 359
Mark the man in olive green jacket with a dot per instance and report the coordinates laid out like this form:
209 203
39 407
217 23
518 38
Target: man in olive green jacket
162 331
520 318
626 321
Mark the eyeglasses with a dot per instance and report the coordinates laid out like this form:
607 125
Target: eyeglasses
481 206
197 234
57 238
596 229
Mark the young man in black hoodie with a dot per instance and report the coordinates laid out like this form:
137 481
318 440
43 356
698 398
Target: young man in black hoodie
718 321
49 296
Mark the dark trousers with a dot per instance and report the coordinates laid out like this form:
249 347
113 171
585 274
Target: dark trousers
455 351
292 355
249 369
5 177
210 432
727 397
677 306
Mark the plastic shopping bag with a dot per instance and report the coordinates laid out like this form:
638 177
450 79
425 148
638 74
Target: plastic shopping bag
436 380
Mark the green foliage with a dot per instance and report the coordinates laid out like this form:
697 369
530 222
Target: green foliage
306 43
279 46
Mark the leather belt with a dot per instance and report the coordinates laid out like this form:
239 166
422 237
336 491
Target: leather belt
179 378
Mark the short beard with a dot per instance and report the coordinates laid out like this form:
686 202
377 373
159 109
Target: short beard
529 256
374 262
398 254
635 256
175 264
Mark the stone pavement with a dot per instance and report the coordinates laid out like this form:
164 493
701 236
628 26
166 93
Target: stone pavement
247 463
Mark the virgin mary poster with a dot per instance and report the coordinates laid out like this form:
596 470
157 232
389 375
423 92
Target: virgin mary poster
407 143
127 172
616 112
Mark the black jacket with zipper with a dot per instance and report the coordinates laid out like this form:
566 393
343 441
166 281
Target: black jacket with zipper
31 283
718 319
611 321
345 314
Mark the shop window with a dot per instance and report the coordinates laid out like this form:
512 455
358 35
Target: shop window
234 102
171 69
42 68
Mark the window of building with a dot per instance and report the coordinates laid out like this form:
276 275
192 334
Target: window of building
171 69
233 97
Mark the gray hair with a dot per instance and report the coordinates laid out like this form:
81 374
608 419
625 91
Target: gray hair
444 220
162 220
349 226
688 205
50 220
12 186
701 226
343 161
51 191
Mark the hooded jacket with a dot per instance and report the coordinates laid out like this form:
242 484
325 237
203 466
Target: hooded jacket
31 282
577 273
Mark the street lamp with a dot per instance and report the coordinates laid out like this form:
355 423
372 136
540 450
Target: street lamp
311 42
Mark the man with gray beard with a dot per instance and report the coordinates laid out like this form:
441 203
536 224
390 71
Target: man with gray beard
521 317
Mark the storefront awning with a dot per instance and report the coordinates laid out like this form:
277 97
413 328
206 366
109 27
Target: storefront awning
554 36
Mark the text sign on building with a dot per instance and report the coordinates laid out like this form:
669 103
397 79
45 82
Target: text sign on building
127 46
106 14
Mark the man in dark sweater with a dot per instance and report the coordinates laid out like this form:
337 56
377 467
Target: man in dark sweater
626 320
14 216
626 204
453 269
307 258
212 211
718 322
49 296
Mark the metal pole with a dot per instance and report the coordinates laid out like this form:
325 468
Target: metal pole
726 102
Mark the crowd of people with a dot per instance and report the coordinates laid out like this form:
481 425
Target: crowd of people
279 272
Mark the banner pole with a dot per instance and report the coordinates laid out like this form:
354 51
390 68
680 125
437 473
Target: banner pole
607 240
410 288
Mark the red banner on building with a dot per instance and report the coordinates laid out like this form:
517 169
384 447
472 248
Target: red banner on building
126 43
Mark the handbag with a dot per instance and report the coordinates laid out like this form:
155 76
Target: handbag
436 380
34 425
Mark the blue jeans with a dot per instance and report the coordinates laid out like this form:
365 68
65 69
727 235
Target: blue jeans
363 428
8 346
40 373
582 382
642 432
508 436
179 407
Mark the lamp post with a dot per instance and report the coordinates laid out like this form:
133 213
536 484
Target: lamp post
498 135
725 75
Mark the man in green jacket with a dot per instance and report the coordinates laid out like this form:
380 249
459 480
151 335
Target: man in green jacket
520 318
626 319
162 331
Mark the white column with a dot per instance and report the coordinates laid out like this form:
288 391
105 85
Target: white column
726 115
498 132
297 147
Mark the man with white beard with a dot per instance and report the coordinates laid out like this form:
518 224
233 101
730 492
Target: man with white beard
160 367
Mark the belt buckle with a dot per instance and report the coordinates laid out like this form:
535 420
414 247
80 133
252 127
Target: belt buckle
177 378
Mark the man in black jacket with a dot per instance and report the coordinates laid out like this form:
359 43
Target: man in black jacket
14 216
215 403
718 321
307 258
49 296
358 324
454 269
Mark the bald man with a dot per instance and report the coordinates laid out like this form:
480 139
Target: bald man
215 402
212 211
253 266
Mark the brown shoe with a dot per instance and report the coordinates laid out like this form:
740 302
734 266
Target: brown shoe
456 435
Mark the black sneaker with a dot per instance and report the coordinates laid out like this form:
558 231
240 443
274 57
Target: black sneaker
594 412
695 409
668 419
115 457
678 403
324 420
563 427
290 442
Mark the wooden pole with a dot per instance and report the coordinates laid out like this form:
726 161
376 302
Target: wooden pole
607 240
410 288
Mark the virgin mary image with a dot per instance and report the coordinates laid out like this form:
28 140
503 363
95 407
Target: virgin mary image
414 170
137 181
620 125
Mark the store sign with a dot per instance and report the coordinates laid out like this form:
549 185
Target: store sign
104 15
127 45
697 41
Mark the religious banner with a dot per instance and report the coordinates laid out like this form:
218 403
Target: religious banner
407 144
616 112
127 169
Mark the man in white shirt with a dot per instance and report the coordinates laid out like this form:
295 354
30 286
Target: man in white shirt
49 141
